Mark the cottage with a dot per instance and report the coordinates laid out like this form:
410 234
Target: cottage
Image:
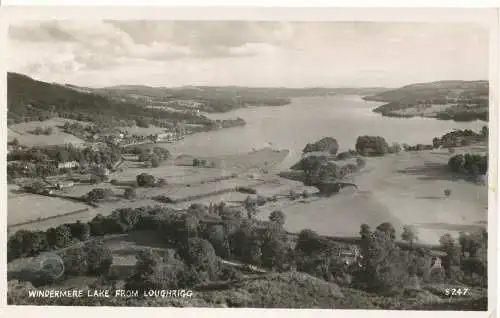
436 262
166 137
68 165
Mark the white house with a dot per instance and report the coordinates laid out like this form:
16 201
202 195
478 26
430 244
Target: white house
166 137
67 165
62 185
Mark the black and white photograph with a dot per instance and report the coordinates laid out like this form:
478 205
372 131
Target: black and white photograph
249 163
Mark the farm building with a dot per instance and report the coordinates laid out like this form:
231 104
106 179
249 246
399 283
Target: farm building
68 165
166 137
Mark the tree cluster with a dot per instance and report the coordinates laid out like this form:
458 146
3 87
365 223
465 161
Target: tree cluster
372 146
471 164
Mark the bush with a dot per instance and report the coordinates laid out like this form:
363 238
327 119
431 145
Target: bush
98 194
277 217
130 193
43 131
247 190
361 163
163 199
145 180
447 192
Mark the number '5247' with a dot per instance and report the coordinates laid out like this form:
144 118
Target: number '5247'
456 291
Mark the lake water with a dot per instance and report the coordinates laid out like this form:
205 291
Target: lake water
308 119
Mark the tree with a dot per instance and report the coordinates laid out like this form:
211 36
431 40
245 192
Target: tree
309 242
471 243
36 187
146 270
388 228
75 261
436 142
15 143
145 180
328 144
245 243
452 250
365 231
99 258
456 163
474 265
62 236
80 230
218 237
250 205
274 247
371 145
26 243
155 161
130 193
200 255
384 269
485 131
409 234
278 217
447 192
38 131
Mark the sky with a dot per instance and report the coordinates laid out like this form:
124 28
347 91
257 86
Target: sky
247 53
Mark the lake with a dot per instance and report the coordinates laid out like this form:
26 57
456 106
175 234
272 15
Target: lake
308 119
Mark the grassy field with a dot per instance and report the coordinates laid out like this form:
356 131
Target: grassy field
172 173
23 131
31 207
141 131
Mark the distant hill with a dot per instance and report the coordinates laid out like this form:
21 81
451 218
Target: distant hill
221 98
437 91
456 100
29 100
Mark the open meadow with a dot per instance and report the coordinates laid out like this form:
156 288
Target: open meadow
23 133
30 207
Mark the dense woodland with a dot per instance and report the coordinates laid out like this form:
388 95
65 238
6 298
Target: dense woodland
29 100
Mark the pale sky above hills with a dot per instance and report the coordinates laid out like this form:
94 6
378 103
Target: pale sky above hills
329 54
